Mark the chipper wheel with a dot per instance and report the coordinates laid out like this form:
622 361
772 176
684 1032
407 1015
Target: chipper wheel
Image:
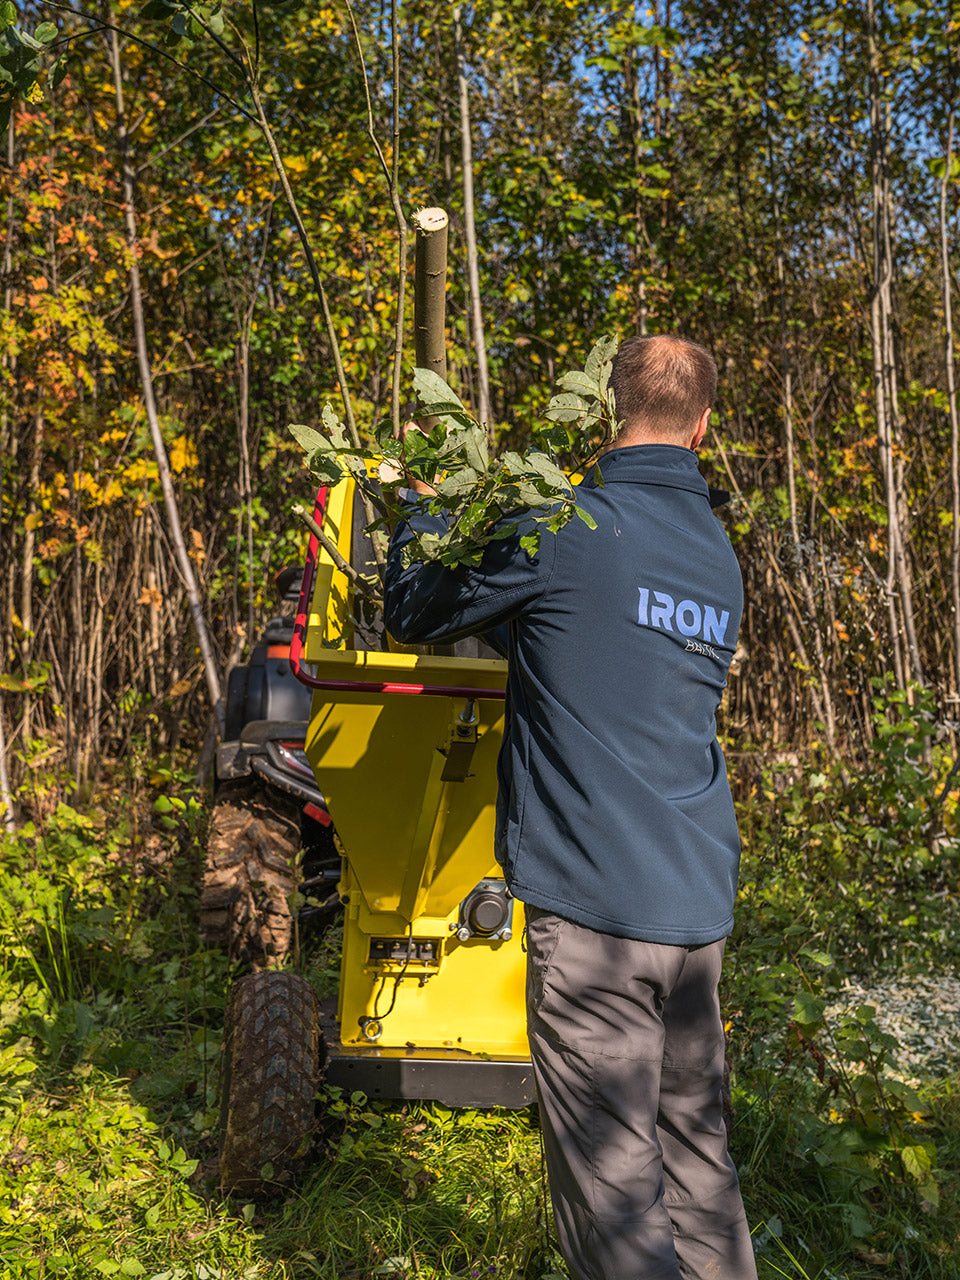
249 872
271 1072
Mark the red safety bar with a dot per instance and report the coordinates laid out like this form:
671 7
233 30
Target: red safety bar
355 686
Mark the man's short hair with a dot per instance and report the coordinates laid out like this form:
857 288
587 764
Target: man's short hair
662 383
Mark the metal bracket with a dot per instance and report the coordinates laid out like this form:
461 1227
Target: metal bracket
461 745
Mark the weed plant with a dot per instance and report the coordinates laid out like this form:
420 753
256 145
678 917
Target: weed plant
111 1017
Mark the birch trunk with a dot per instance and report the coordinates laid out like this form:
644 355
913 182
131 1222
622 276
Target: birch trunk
175 528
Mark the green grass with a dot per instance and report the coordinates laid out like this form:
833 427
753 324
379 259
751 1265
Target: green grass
110 1024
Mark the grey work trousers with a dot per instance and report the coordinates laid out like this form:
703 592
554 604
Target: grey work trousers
627 1044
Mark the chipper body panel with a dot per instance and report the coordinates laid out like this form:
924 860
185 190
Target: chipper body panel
404 746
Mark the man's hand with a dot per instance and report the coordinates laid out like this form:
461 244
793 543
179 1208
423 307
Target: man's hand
389 472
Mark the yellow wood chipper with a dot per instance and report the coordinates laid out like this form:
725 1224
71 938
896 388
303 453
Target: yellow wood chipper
403 746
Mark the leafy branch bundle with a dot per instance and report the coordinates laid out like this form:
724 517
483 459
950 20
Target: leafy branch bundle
481 497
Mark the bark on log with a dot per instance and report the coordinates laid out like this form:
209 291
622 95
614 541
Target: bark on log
430 290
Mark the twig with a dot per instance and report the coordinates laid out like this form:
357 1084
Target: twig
359 582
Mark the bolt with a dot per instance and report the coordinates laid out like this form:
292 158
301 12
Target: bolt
506 934
463 934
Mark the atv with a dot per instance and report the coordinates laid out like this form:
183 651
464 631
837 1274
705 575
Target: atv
267 807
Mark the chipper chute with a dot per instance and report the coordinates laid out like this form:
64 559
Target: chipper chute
404 746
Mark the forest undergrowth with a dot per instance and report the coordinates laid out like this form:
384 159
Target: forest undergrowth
111 1017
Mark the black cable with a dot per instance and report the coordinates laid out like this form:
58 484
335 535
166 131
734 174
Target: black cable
396 982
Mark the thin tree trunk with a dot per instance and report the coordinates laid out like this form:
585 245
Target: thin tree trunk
26 583
899 589
430 290
246 480
470 230
792 613
951 376
634 108
9 361
6 798
376 539
825 699
392 174
401 225
150 407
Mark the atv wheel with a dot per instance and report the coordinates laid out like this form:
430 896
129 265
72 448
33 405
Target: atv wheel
270 1076
249 872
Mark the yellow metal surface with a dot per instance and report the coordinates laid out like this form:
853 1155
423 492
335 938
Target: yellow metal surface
415 843
471 1000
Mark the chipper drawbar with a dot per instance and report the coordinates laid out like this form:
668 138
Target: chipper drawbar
404 747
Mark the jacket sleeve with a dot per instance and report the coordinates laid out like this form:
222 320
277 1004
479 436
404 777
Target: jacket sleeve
427 603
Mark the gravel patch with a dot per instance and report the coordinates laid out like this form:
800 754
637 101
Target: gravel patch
922 1013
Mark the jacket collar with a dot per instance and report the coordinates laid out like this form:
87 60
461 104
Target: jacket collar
667 465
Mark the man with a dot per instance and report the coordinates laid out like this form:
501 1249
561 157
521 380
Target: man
615 825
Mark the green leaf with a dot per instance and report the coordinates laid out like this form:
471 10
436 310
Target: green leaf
338 432
324 465
46 32
132 1267
308 438
457 483
807 1009
566 407
8 14
858 1221
918 1161
430 388
549 470
475 448
602 353
586 517
530 496
579 384
25 38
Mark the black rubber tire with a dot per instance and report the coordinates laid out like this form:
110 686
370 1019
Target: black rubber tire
249 873
272 1065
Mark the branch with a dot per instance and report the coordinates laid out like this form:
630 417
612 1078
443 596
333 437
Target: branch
359 582
102 24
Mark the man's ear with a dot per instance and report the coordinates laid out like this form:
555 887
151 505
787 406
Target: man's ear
701 430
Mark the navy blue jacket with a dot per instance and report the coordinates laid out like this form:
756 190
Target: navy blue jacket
614 808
